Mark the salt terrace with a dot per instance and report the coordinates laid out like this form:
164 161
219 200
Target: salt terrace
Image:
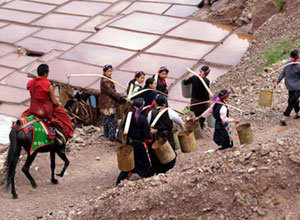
81 36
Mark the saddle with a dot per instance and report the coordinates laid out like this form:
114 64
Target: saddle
43 132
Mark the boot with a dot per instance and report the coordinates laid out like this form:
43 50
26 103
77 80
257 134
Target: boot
60 136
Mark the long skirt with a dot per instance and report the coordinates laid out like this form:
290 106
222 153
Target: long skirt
142 161
223 136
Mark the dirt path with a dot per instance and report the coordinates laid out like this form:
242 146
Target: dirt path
88 177
85 177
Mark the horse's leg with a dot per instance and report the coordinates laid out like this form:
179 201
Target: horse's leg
67 162
15 161
26 167
52 157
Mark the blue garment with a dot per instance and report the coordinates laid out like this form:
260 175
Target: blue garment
93 101
291 73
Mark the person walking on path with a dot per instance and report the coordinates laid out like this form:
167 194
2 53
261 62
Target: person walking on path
138 135
291 73
199 93
109 99
223 132
164 127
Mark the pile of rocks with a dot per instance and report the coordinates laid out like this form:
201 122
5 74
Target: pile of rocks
3 153
261 179
233 184
84 137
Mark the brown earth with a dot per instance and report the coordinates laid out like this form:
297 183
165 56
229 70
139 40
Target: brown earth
258 181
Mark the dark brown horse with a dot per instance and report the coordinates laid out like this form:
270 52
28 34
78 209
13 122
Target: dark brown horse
19 139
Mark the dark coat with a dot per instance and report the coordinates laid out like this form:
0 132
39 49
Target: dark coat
109 98
161 86
164 128
139 131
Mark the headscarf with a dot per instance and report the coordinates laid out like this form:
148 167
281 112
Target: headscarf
205 69
160 100
294 55
107 67
138 105
162 69
222 95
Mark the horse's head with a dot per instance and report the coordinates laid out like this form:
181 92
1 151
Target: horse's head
78 109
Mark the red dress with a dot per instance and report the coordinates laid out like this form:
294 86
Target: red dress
42 106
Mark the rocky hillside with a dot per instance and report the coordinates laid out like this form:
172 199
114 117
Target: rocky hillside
256 181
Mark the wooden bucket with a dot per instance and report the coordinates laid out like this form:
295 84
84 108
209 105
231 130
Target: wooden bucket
186 90
197 131
125 155
245 134
176 140
163 151
187 141
265 98
121 111
211 121
191 125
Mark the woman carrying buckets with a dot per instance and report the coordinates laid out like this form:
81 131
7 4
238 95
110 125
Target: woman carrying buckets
138 134
223 133
164 127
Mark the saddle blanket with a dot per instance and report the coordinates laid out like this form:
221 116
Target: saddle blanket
41 135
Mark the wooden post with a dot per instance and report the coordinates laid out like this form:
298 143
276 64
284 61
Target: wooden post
79 88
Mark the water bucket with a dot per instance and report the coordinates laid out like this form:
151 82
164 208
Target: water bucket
245 134
176 140
163 151
125 155
190 125
121 111
211 121
197 131
187 141
265 98
186 90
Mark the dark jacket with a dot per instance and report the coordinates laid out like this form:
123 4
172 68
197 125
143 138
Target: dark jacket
149 96
198 91
161 86
291 74
164 123
139 131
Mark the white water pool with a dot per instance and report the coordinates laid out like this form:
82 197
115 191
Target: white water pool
5 126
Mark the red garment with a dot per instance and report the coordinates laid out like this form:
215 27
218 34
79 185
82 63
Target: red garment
62 118
42 106
40 103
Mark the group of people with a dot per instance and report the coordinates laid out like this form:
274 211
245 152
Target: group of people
150 100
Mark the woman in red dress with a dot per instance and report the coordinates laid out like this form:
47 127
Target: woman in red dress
44 104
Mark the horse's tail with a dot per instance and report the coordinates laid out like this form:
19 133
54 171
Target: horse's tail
12 156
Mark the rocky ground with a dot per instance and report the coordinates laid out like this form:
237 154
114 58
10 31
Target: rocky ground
257 181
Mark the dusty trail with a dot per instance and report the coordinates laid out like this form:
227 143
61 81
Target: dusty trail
88 177
84 178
